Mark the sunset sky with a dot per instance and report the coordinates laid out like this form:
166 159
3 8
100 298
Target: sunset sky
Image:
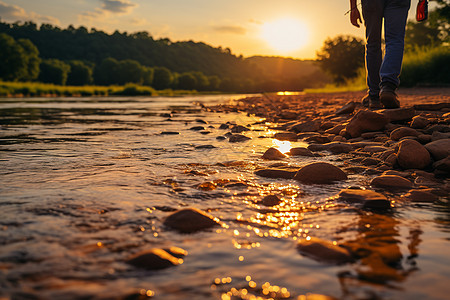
248 27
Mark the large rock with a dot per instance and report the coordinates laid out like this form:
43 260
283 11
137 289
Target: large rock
399 114
365 198
190 220
156 259
323 251
391 181
308 126
320 172
439 149
273 154
398 133
365 121
412 155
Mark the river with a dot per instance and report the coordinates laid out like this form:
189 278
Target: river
86 182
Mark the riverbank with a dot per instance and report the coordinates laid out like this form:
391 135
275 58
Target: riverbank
37 89
410 143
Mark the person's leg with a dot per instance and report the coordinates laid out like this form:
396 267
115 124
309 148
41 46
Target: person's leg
395 17
372 11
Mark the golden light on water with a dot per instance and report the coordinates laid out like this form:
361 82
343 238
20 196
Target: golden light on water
285 35
282 146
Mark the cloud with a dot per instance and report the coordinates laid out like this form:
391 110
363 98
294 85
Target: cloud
233 29
13 13
118 6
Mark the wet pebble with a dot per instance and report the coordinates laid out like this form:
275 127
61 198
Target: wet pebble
190 220
273 154
420 196
391 181
366 198
236 138
300 151
275 173
320 172
323 251
286 136
157 259
270 200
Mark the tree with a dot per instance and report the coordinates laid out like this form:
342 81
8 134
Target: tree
147 76
54 71
32 60
341 57
162 78
187 81
80 73
129 71
13 64
105 72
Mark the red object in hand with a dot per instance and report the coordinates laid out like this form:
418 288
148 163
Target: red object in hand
422 10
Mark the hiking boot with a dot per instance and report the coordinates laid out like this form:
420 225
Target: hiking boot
389 99
371 102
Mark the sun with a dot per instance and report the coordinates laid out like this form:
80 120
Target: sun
285 35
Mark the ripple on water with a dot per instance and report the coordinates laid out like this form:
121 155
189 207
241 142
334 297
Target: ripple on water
88 182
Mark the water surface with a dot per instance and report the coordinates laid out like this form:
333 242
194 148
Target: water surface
87 182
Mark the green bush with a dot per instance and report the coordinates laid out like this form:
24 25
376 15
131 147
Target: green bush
426 66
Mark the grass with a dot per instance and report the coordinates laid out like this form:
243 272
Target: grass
426 66
422 66
37 89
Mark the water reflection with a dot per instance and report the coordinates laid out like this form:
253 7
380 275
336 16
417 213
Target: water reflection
86 183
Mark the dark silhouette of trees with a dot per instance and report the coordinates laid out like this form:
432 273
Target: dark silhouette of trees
80 73
341 57
162 78
19 59
122 57
54 71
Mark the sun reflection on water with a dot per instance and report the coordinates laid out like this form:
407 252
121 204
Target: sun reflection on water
282 146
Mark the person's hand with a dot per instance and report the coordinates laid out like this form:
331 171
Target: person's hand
355 16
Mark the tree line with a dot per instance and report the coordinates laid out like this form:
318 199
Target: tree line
78 56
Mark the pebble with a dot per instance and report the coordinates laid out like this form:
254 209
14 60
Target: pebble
419 122
347 108
157 259
391 181
439 149
412 155
365 198
401 132
273 154
236 138
323 251
286 136
275 173
300 151
270 200
309 126
420 196
399 114
320 173
190 220
365 121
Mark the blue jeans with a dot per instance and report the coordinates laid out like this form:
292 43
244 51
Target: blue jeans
383 73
